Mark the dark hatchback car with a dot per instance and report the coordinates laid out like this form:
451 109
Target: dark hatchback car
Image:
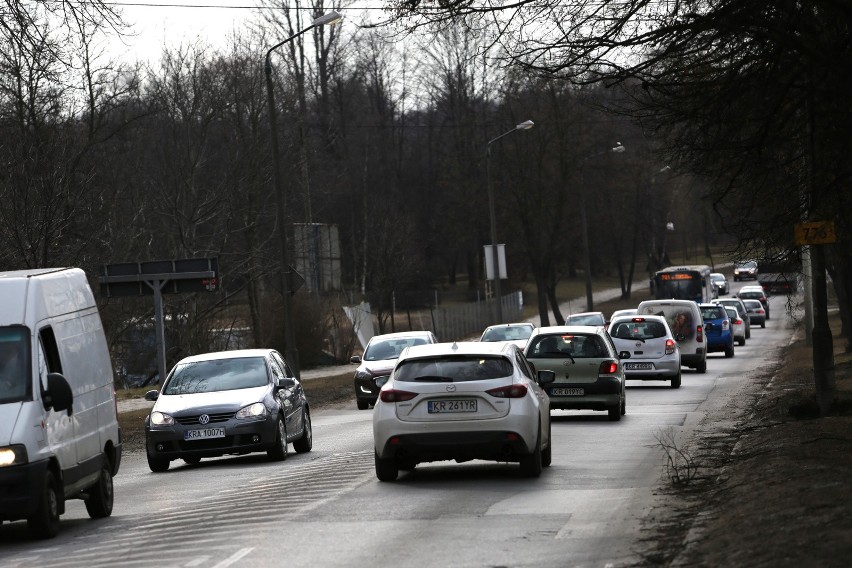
717 329
756 313
227 403
380 356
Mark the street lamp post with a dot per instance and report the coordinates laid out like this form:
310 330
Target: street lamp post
291 353
587 256
526 125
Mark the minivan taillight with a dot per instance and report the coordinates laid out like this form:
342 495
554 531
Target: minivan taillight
510 391
670 346
393 395
699 334
608 368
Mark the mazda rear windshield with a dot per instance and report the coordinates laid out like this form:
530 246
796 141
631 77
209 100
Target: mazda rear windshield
453 369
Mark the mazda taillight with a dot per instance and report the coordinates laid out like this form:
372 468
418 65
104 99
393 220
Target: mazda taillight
393 395
670 346
608 368
699 334
511 391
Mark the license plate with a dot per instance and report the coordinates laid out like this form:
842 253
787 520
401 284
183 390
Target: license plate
638 366
204 434
441 406
567 392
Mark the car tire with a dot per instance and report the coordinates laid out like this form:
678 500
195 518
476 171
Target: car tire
278 452
407 465
531 464
748 332
623 403
729 350
763 325
702 367
386 469
741 341
362 404
614 413
192 461
676 382
45 521
99 502
547 453
158 465
306 442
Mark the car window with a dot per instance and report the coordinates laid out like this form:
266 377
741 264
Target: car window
585 320
567 346
453 369
732 313
639 330
751 295
715 312
217 375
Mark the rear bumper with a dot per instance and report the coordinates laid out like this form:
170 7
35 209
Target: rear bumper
663 368
602 394
460 446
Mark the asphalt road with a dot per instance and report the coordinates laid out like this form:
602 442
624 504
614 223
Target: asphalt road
326 508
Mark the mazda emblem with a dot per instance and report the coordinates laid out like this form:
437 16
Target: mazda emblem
203 419
451 388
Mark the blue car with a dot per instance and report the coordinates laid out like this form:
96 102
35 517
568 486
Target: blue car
718 330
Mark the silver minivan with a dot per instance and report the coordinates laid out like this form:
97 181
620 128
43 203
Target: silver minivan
687 326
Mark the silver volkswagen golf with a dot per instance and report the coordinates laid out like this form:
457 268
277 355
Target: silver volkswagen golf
231 402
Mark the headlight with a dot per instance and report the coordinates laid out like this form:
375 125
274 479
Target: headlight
256 410
161 419
13 455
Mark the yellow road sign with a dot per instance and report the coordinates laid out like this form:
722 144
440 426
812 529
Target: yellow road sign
815 233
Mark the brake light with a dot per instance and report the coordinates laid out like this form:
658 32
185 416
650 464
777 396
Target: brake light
393 395
738 321
638 320
670 346
760 311
510 391
608 368
699 334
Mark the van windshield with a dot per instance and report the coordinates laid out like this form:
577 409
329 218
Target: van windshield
15 384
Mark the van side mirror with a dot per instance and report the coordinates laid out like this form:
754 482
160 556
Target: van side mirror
58 395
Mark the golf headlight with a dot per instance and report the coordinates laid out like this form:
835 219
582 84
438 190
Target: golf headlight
161 419
256 410
13 455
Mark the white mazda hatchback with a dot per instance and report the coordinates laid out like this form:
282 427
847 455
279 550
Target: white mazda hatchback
462 401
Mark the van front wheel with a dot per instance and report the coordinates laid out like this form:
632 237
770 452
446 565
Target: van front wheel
99 503
45 522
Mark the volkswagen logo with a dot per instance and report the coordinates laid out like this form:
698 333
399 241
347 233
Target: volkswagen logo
451 388
203 419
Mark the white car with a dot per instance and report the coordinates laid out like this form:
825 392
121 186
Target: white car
517 333
738 326
586 318
654 355
462 401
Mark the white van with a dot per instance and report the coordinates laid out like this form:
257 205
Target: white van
59 435
687 325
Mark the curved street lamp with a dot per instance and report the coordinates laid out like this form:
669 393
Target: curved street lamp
525 125
291 354
587 255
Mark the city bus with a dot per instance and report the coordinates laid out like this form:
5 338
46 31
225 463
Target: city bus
685 283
